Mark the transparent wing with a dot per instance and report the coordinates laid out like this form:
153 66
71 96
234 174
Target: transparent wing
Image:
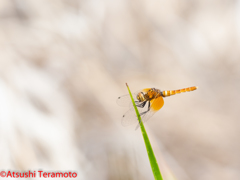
130 116
155 105
124 100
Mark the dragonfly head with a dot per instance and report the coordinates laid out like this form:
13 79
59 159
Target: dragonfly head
140 97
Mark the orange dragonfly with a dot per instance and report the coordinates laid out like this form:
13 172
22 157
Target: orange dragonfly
148 102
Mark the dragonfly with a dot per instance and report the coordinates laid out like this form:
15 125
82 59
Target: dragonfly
148 102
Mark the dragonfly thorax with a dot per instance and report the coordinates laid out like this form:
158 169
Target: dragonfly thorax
149 95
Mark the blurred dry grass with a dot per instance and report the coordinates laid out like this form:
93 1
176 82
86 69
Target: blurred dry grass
63 63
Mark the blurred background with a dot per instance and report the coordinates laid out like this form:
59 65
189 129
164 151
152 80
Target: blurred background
63 63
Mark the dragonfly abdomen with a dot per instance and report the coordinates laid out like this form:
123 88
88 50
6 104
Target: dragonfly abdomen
173 92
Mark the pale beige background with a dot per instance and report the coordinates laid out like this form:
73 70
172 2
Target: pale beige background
63 63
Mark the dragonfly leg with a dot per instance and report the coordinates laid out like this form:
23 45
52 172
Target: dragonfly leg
146 110
143 114
142 105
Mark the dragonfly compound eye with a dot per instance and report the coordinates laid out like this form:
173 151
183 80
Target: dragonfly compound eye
140 96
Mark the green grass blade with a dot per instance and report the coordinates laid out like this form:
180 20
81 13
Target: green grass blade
155 169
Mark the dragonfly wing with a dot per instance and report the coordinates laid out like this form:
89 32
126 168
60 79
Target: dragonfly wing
155 105
130 116
124 100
